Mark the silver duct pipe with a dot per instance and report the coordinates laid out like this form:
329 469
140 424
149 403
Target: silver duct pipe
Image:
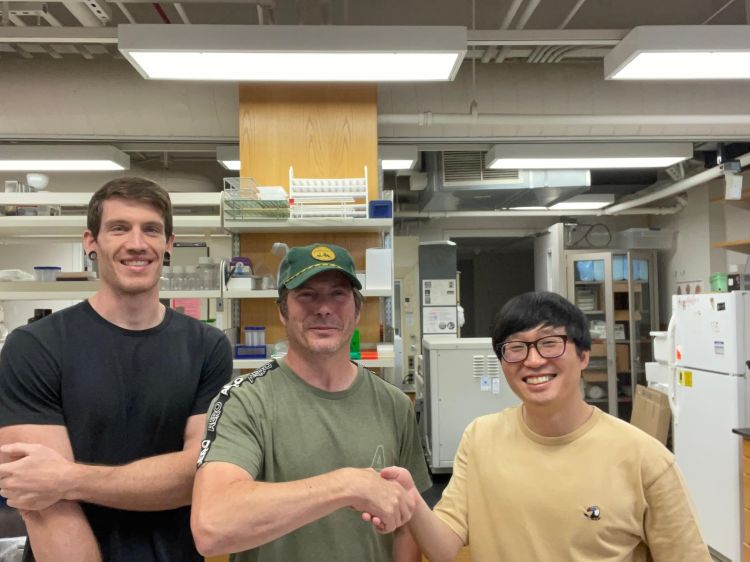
546 213
427 118
675 188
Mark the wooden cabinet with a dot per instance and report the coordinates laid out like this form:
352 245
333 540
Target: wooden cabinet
617 293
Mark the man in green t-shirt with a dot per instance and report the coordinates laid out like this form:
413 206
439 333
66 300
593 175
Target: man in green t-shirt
291 453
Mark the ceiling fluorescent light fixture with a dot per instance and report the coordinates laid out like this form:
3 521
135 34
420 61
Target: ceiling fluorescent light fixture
294 53
585 156
229 156
61 158
585 201
681 52
397 157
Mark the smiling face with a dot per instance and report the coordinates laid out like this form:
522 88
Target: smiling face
540 381
321 315
130 246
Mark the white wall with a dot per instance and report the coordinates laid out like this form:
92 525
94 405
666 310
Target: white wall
690 257
107 99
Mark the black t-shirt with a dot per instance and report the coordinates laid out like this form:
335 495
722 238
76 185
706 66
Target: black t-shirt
123 395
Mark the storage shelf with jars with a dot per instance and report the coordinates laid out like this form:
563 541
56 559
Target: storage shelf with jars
616 290
79 290
63 214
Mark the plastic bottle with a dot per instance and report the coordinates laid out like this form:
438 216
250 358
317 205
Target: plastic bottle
207 273
165 281
192 281
178 278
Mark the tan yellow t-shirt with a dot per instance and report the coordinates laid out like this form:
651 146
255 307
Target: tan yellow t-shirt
606 492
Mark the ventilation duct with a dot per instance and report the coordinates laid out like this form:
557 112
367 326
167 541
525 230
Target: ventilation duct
459 181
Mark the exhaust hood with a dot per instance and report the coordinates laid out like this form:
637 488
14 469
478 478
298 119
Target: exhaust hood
459 181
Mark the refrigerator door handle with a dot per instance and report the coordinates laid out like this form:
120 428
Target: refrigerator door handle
672 369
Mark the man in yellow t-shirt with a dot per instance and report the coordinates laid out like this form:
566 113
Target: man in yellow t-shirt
555 478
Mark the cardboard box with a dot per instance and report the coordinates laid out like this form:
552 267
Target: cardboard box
622 357
651 412
598 349
595 376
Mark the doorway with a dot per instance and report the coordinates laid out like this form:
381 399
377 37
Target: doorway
492 271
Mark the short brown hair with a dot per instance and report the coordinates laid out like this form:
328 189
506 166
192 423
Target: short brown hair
284 294
131 189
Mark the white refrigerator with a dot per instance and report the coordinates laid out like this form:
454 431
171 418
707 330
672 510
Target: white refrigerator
710 354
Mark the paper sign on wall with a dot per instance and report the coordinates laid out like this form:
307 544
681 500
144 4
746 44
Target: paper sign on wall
439 319
438 292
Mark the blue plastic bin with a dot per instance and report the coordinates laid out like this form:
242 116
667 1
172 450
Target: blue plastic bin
380 209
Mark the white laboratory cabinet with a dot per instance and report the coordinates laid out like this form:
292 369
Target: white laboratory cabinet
460 379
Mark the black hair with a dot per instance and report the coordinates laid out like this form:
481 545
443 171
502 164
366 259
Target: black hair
529 310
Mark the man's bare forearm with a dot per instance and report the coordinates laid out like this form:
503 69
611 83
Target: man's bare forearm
61 532
435 538
151 484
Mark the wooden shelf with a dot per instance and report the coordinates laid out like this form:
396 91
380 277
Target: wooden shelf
742 246
624 316
310 225
622 286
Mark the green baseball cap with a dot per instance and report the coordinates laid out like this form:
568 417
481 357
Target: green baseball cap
303 262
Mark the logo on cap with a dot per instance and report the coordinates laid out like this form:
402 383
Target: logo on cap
323 253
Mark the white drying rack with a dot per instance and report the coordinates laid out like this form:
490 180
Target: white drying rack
328 197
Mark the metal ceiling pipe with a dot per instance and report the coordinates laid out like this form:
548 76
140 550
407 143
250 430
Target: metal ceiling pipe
527 13
540 213
510 14
571 14
675 188
427 118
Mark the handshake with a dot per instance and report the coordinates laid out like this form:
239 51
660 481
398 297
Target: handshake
386 499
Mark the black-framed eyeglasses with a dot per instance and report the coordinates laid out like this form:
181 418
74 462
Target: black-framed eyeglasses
548 347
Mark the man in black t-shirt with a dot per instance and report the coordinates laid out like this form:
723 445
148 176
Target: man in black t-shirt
102 405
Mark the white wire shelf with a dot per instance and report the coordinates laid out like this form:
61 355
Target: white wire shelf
74 225
77 290
310 225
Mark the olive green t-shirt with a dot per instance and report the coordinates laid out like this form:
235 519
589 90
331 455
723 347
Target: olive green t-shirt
278 428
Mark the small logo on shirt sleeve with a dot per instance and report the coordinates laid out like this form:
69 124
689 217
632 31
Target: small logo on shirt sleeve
593 512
